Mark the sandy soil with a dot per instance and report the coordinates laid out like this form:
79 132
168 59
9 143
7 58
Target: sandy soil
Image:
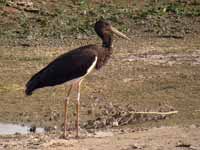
174 62
158 70
163 138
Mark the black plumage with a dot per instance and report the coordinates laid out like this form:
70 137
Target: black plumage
73 66
75 63
66 67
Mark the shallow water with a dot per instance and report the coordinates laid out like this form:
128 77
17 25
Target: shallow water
7 128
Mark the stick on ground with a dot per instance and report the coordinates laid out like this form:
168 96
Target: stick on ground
157 113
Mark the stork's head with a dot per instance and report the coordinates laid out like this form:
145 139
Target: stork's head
104 28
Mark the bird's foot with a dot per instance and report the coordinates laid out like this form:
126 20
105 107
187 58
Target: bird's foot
64 136
77 137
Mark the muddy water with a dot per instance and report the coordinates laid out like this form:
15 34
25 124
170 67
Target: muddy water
16 128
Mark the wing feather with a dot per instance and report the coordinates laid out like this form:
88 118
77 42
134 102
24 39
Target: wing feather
66 67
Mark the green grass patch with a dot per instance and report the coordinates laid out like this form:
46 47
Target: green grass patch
3 3
68 19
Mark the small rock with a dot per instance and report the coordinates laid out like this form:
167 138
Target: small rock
126 80
89 112
49 128
101 134
17 133
115 123
134 147
193 126
183 144
32 128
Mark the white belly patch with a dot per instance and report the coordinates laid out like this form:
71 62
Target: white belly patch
80 78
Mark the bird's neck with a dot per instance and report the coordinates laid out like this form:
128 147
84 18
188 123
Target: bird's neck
107 42
104 52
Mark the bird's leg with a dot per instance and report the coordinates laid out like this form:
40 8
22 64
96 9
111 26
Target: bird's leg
77 108
65 115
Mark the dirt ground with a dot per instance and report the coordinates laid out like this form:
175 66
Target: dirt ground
163 138
155 75
157 71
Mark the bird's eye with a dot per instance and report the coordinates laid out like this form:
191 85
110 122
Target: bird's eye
107 24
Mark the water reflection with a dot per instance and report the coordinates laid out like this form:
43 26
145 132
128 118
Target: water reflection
7 128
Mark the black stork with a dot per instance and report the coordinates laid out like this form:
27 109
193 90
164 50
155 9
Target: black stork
72 67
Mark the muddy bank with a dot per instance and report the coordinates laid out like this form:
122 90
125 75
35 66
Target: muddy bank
145 74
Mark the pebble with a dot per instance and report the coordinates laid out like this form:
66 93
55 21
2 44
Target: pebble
193 126
101 134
